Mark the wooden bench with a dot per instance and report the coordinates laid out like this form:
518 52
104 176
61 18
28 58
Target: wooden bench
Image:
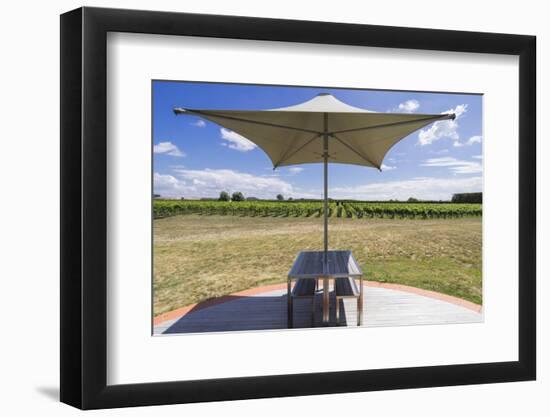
347 288
305 288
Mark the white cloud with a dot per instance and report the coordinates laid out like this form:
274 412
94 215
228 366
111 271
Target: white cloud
209 182
236 141
169 186
385 167
473 139
477 156
409 106
443 128
425 188
199 123
295 170
455 165
469 142
167 148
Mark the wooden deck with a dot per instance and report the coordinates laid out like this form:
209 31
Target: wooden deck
268 311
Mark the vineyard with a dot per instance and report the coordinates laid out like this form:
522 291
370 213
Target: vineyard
357 210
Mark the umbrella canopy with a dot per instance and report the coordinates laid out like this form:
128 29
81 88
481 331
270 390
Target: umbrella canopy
320 130
294 135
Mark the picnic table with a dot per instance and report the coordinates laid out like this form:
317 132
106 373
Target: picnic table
311 265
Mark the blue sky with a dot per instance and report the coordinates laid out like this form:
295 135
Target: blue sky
194 158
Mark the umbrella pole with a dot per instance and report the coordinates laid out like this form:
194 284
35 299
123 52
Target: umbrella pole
325 206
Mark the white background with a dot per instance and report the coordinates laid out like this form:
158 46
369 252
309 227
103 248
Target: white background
134 356
29 172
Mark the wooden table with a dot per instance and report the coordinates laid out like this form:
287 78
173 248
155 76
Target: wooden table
311 265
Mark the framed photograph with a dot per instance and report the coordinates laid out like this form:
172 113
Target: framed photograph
259 208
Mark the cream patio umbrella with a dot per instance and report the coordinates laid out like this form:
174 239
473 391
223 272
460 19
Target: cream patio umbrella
321 130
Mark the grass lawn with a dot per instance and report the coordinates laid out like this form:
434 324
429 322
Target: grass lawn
201 257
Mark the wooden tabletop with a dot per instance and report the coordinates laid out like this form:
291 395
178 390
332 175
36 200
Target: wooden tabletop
309 264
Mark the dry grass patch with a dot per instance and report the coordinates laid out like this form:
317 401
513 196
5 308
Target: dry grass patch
201 257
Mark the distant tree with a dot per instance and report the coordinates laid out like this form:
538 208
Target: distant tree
467 198
252 198
156 195
280 197
290 199
182 198
224 196
237 196
412 200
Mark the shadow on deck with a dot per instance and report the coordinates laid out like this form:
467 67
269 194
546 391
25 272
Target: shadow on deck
250 313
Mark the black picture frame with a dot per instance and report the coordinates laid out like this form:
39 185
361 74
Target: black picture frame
84 207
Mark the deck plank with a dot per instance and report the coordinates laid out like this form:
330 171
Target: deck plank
267 311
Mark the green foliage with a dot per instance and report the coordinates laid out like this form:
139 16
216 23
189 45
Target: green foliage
224 196
467 198
237 196
357 210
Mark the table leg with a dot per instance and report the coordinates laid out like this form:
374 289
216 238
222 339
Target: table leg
325 301
289 305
